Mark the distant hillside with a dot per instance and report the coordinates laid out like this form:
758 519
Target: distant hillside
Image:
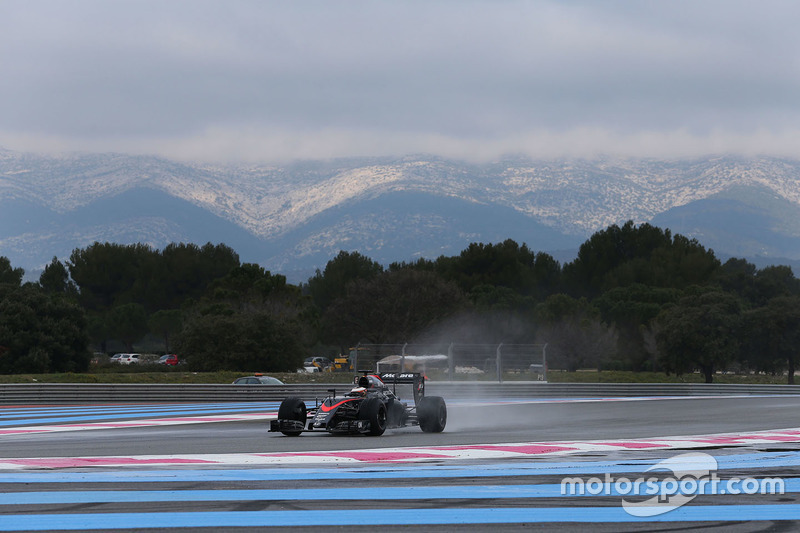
33 234
293 218
743 221
404 226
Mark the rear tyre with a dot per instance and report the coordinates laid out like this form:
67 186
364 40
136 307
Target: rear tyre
373 410
432 414
292 409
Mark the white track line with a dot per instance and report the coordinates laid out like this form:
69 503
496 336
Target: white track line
171 421
514 450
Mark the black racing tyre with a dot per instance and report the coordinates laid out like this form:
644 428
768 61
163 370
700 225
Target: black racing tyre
292 409
374 410
432 414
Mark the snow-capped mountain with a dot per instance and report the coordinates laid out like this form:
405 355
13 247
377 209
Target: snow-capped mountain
293 218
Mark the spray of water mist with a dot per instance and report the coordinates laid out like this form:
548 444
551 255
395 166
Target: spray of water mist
483 332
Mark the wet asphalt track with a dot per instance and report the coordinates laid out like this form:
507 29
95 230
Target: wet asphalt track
467 424
325 496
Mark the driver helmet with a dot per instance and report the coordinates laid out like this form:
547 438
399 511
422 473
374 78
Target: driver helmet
369 382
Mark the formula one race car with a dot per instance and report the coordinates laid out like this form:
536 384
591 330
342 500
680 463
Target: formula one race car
369 408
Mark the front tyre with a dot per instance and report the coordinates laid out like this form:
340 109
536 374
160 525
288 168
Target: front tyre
292 409
432 414
374 411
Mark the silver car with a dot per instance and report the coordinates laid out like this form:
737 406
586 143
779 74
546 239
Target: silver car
258 380
129 359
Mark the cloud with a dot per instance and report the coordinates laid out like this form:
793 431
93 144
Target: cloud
248 144
253 79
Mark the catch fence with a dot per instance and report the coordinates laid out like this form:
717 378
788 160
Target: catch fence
453 359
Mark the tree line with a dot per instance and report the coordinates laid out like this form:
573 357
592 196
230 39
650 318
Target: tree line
636 298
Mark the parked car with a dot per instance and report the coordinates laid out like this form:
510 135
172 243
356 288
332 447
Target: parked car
258 379
169 359
130 359
116 357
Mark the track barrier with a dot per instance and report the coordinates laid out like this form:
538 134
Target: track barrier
65 393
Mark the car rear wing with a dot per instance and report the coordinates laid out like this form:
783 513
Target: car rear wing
415 379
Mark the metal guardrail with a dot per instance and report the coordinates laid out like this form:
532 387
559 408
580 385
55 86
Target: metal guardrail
601 390
60 393
63 393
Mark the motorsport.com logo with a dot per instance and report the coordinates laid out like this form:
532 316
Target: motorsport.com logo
692 474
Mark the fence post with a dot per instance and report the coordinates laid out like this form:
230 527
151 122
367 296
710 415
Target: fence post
355 358
499 364
544 361
451 367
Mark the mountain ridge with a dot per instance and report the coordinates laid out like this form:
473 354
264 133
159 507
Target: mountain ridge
290 216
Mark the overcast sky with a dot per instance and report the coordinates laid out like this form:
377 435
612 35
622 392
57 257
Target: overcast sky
263 80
